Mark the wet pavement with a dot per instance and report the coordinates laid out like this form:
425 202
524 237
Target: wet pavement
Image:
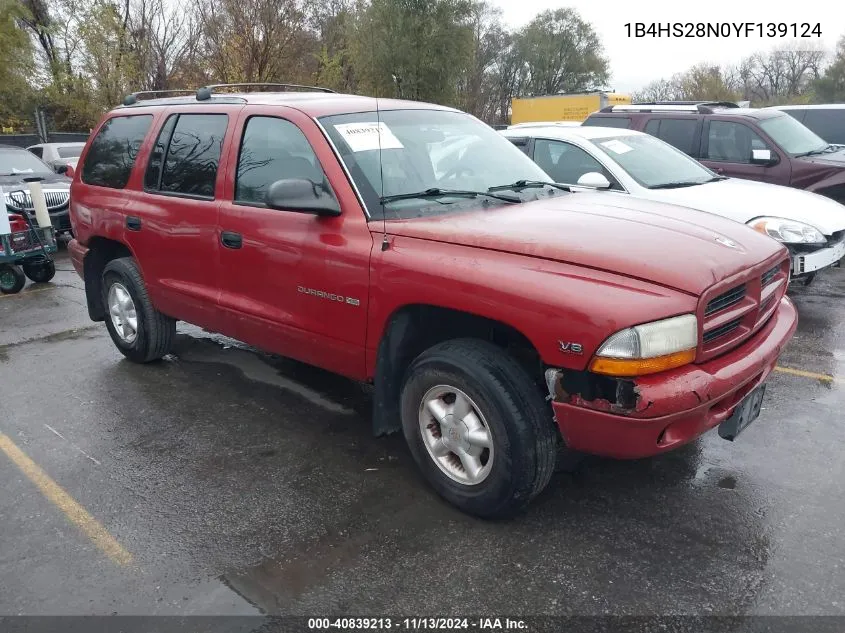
240 483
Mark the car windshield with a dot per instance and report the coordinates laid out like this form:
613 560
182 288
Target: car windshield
21 161
792 136
70 151
393 153
653 163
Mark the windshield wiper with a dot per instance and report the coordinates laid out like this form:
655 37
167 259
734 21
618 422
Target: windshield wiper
436 192
529 184
675 185
827 149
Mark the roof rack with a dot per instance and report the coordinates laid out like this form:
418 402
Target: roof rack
204 93
700 107
132 99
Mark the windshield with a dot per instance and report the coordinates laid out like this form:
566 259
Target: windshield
21 161
652 162
70 151
424 150
792 136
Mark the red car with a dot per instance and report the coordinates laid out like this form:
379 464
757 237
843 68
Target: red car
502 319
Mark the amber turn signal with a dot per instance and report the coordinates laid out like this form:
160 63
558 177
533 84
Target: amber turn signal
641 366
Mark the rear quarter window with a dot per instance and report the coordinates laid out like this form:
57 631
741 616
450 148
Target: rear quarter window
609 121
113 151
829 124
680 133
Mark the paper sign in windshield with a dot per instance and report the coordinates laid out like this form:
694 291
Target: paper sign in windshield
363 137
617 147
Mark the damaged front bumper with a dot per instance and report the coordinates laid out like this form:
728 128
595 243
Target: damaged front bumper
641 417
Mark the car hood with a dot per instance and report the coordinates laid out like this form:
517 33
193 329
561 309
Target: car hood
834 159
54 181
665 244
744 200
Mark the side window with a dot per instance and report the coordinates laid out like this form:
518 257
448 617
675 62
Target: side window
273 149
797 113
829 124
152 177
652 127
679 133
565 162
732 142
193 154
609 121
38 151
113 151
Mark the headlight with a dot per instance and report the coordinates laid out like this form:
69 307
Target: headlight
648 348
788 231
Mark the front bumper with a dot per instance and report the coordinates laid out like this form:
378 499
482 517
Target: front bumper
674 407
806 263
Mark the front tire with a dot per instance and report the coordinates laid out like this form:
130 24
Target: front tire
138 330
478 427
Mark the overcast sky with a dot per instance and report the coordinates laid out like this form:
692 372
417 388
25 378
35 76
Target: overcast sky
635 62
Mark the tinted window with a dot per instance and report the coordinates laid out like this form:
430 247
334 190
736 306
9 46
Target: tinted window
152 177
680 133
190 164
732 142
112 154
797 114
273 149
70 151
608 121
565 162
652 127
38 151
829 124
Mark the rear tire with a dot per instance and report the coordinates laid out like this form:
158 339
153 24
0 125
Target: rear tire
503 403
138 330
40 271
12 279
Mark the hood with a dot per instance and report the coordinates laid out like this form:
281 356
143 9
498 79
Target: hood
744 200
834 159
665 244
51 180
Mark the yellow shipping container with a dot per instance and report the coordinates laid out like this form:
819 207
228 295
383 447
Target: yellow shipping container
572 107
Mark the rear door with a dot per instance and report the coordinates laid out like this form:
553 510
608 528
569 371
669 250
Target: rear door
171 220
293 283
684 133
727 147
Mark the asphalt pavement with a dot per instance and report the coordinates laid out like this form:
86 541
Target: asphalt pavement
225 481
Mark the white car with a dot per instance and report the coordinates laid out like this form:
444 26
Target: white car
58 155
625 162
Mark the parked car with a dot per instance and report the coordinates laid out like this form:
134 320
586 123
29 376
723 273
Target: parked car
519 126
16 164
58 155
757 144
626 162
501 319
827 120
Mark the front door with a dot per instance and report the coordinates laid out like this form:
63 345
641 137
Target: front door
293 283
727 148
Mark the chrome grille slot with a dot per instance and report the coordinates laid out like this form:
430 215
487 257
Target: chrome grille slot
725 300
727 328
769 275
21 200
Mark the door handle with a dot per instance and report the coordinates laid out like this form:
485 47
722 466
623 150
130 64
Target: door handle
231 240
133 223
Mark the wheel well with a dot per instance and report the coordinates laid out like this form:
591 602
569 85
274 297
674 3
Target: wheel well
413 329
101 251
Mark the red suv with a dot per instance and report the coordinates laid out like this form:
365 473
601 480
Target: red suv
758 144
502 319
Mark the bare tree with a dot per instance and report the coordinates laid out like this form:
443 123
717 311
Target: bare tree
164 38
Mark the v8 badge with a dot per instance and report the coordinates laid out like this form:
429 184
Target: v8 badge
567 347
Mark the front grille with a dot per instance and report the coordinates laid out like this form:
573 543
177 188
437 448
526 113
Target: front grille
769 275
725 300
764 307
718 332
21 200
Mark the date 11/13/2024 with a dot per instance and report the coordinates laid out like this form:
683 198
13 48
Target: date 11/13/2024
419 624
723 29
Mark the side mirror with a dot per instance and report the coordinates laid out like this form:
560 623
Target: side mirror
62 169
594 180
303 196
763 157
69 171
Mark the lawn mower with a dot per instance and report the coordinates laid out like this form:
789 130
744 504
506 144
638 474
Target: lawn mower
26 250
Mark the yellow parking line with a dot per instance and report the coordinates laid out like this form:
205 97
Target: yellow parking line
20 295
809 374
74 512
